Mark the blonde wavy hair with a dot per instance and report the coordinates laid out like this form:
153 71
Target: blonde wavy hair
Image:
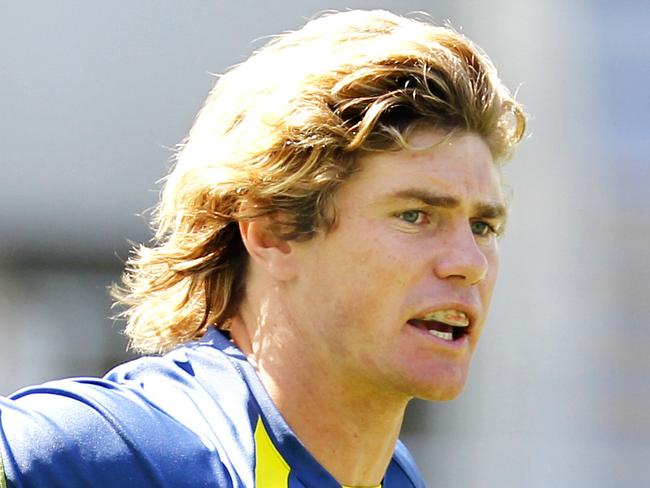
277 136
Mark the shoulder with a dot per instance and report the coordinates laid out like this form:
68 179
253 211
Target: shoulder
92 433
403 471
151 422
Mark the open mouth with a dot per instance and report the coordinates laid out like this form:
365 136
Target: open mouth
449 325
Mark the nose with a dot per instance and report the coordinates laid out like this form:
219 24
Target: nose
461 258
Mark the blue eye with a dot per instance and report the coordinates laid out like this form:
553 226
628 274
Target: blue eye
481 228
412 216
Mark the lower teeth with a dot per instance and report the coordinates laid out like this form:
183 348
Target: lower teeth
448 336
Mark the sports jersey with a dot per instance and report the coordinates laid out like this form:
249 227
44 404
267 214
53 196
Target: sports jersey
197 416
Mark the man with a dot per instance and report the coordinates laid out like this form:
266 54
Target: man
325 252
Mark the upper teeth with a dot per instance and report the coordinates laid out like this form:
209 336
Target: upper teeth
452 317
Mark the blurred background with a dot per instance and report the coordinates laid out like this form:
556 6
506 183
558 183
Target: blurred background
95 95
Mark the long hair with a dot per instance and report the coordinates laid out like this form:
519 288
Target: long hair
277 136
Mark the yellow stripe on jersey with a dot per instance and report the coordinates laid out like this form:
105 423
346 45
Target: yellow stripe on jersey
271 470
3 480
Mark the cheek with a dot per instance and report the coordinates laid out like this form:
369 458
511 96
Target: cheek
488 284
365 266
370 281
383 264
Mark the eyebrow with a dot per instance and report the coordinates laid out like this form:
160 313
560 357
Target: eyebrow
487 210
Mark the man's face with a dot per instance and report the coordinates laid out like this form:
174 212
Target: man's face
394 297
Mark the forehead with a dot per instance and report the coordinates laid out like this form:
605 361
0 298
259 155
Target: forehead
459 166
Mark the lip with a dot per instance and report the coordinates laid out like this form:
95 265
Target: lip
469 310
458 344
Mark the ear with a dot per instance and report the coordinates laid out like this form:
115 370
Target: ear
268 251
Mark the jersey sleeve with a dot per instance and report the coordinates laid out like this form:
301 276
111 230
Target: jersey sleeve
97 433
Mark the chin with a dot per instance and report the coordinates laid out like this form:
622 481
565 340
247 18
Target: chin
441 387
441 394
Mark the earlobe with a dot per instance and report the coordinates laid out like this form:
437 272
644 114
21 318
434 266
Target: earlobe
266 250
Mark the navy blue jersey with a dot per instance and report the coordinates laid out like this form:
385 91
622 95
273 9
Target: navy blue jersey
197 416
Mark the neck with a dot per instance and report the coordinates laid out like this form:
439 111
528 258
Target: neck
352 436
348 427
